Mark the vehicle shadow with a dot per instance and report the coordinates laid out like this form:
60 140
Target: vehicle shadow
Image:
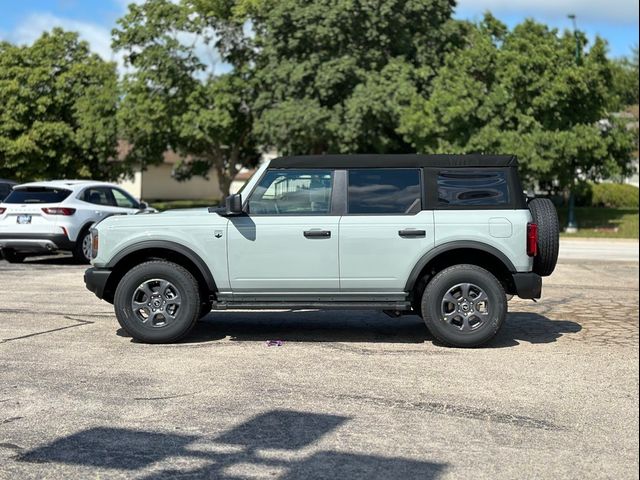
361 326
134 452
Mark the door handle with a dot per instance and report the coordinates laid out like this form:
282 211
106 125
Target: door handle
412 232
317 233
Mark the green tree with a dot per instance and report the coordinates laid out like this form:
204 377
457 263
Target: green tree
522 92
172 99
625 81
334 75
58 110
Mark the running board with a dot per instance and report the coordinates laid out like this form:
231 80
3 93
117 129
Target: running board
395 306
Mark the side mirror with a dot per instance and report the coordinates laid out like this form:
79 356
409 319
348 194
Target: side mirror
143 205
233 204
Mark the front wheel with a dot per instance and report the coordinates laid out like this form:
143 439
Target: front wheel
464 306
157 302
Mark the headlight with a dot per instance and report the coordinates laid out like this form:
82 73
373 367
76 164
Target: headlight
94 243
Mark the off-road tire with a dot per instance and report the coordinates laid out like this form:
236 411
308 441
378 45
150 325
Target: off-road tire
187 315
545 216
443 282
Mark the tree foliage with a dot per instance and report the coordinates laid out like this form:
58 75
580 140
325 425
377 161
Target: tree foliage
57 114
333 75
172 101
523 92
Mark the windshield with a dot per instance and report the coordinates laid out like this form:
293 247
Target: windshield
37 195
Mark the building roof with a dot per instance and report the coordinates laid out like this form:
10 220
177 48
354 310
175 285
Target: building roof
393 160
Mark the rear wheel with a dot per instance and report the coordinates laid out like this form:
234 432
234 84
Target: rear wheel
82 248
464 306
157 302
12 256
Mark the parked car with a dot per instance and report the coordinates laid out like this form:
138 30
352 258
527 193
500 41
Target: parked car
5 188
447 237
41 217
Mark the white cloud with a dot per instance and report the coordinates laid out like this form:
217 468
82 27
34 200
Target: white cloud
614 11
98 36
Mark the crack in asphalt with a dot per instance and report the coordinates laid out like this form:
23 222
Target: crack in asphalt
462 411
168 397
79 324
9 420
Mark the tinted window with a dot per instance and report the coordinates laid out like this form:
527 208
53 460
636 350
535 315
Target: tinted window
283 192
37 195
468 188
384 191
5 189
98 196
123 200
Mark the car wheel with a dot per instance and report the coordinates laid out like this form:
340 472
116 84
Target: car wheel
157 302
82 248
12 256
464 306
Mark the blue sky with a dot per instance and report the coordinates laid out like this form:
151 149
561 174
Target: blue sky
616 20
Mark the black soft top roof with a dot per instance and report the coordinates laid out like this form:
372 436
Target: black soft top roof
394 160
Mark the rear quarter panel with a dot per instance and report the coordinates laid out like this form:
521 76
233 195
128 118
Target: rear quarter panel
505 230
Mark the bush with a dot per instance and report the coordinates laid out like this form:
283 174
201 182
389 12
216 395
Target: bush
614 195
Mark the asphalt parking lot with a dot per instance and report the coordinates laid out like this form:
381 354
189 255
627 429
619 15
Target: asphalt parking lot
347 395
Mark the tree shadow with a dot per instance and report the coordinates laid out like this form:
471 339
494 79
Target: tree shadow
135 451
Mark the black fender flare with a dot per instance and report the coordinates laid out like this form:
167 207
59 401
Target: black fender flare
455 245
167 245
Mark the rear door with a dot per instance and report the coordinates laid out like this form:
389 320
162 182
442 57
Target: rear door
288 242
385 231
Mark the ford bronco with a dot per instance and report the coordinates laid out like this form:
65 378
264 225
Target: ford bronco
446 237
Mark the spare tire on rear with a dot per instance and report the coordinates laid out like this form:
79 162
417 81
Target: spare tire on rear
545 216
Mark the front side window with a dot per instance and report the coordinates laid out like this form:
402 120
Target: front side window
384 191
473 188
291 192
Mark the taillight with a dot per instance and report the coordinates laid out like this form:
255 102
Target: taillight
2 210
532 239
59 211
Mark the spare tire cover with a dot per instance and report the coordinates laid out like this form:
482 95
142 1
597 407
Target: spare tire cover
545 216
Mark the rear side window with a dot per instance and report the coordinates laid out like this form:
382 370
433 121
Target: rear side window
37 195
473 188
98 196
384 191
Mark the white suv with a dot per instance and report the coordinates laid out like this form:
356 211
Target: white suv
43 217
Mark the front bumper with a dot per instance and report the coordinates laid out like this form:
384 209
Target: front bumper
96 279
527 285
35 242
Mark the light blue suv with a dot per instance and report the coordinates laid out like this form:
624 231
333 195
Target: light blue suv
447 237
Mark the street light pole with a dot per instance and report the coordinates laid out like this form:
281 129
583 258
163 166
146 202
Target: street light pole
572 226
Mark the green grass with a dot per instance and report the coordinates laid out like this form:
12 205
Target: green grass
162 205
602 222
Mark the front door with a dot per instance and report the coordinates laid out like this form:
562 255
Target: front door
288 242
